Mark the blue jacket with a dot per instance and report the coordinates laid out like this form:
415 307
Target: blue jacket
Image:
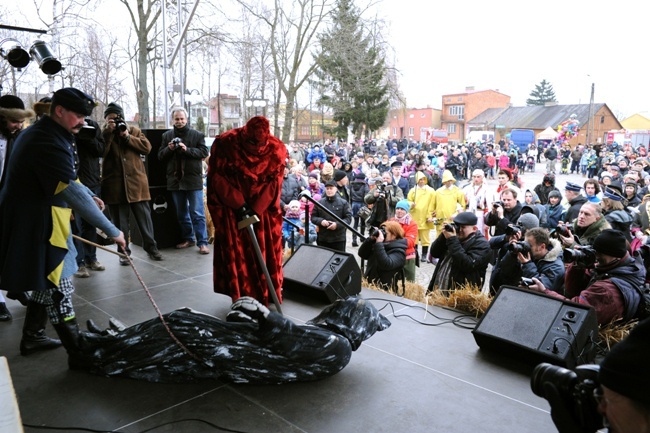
549 269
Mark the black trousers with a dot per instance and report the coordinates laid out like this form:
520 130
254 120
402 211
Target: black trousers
142 213
338 246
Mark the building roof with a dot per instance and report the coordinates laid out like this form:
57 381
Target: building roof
636 121
533 117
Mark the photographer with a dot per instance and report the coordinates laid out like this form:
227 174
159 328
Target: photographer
614 394
183 149
463 253
125 186
383 198
541 258
606 277
589 224
331 234
385 250
504 212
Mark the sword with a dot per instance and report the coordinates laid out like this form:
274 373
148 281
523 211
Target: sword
248 224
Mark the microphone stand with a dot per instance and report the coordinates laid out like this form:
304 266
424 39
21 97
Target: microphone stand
338 219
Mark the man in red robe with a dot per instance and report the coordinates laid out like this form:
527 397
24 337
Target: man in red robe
245 176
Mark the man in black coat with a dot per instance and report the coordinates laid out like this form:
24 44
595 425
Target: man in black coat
463 255
503 214
184 149
331 233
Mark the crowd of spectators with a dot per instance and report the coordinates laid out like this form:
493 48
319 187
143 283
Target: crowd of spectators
439 193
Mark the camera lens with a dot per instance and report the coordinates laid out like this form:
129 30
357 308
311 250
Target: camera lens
563 379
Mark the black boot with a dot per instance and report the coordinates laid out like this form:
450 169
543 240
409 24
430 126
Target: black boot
71 337
354 241
5 314
34 338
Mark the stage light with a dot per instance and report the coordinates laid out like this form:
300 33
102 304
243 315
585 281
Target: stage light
14 53
46 60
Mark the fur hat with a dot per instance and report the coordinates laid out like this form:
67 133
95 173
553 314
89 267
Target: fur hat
43 106
12 107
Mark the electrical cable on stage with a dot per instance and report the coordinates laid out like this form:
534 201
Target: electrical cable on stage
465 321
150 429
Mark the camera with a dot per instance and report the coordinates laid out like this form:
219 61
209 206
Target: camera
562 230
120 124
513 229
522 247
451 227
381 187
496 204
177 141
374 231
527 281
585 256
576 389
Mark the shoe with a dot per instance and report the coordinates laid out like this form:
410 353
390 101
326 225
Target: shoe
203 249
155 255
34 337
185 244
96 266
82 272
5 315
124 261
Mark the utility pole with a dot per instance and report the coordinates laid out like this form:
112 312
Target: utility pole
590 127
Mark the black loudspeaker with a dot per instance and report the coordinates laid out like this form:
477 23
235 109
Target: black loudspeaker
166 230
322 272
156 169
538 328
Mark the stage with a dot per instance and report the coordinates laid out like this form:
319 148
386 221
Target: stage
408 378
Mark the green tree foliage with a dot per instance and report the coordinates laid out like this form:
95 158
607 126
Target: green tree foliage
351 74
542 94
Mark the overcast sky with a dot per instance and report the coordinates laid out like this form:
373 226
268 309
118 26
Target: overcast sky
442 47
510 46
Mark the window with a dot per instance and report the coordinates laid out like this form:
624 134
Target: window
456 110
394 132
423 115
411 116
411 131
451 128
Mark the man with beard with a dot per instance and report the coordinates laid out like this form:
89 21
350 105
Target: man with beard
463 255
184 149
12 118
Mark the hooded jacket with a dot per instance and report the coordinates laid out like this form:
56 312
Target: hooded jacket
385 260
549 269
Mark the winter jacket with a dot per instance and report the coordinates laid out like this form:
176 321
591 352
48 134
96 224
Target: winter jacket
509 217
385 260
339 207
184 168
588 235
549 269
620 220
554 214
574 208
469 260
358 191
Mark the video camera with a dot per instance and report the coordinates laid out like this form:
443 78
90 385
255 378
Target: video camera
374 231
383 189
120 124
584 256
177 142
576 388
522 247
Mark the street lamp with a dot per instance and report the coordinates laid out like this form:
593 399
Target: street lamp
257 103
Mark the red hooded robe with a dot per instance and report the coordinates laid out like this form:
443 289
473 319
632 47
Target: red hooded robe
246 167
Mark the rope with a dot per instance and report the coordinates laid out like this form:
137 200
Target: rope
153 302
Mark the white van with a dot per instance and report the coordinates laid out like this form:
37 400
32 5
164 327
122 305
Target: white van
482 136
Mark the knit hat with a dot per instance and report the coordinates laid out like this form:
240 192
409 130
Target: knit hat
605 174
360 176
294 203
74 100
12 107
555 193
403 204
528 221
530 208
113 108
313 175
611 242
339 175
625 368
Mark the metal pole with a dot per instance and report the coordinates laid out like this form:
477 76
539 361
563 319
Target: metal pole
336 217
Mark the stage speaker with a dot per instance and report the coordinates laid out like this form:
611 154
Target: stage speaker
538 328
323 273
156 169
166 230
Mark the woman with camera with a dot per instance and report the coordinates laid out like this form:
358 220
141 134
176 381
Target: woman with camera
385 250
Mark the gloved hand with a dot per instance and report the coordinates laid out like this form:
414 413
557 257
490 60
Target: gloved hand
244 212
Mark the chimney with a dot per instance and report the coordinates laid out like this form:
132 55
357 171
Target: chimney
469 88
